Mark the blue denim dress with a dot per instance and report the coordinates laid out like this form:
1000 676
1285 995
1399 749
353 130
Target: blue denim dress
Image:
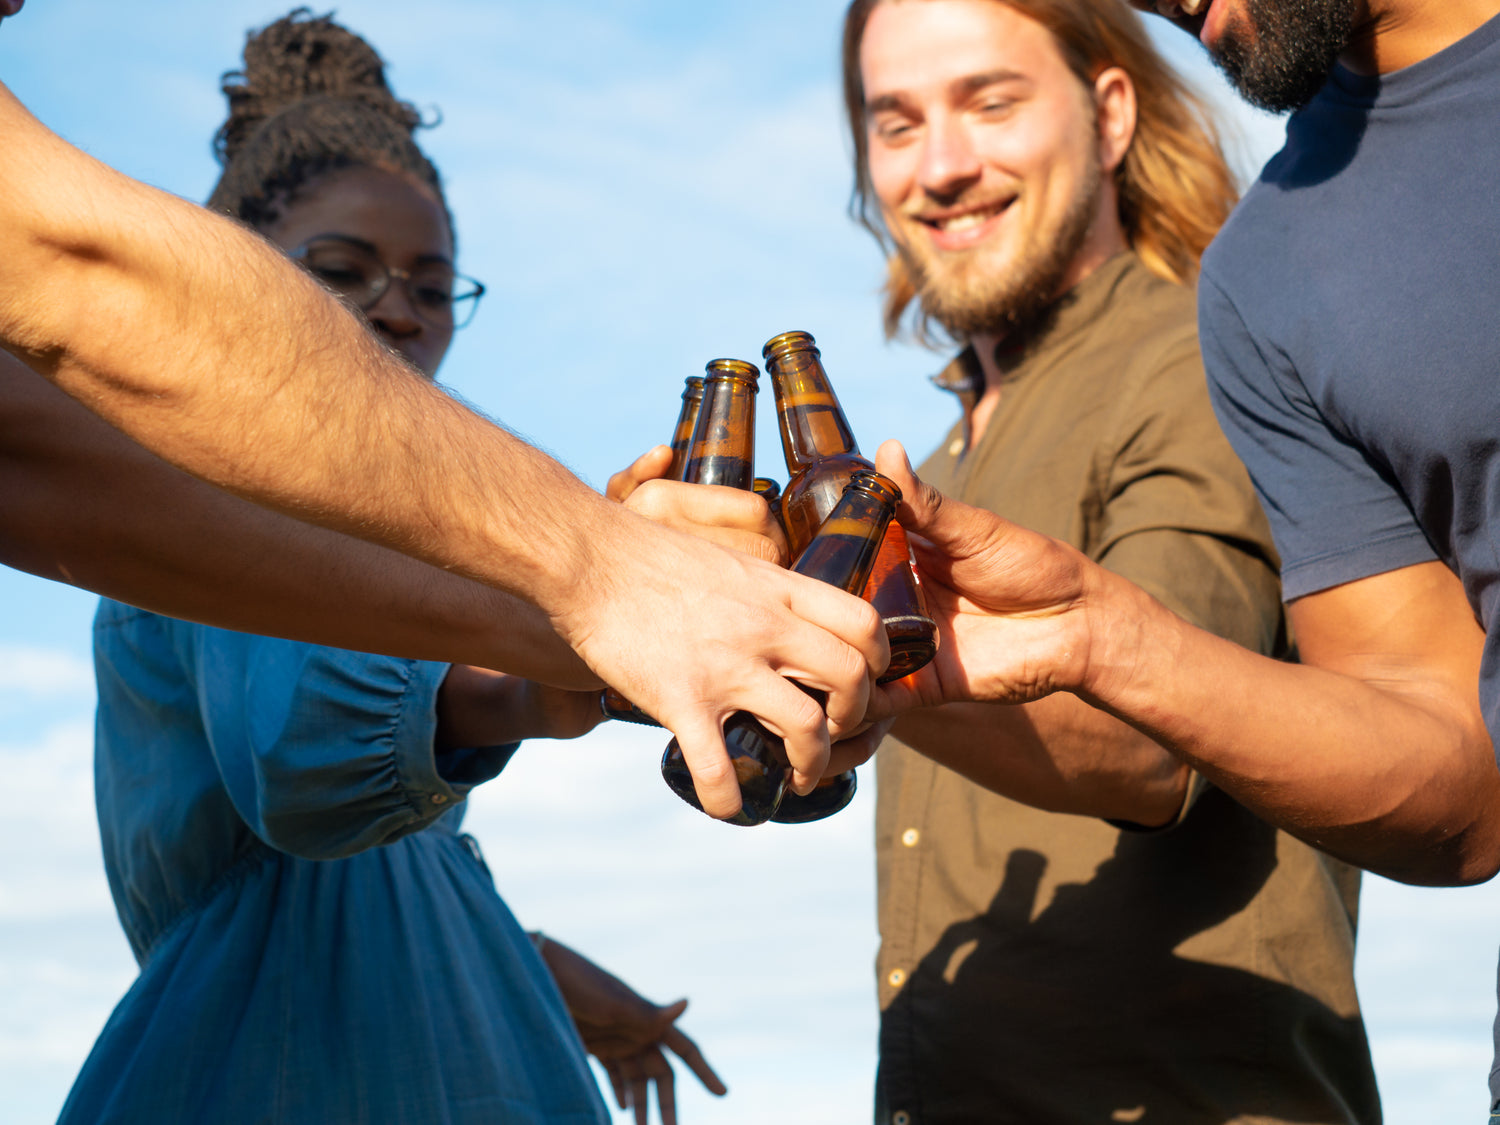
318 944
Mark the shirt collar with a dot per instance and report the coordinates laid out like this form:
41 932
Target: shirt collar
1074 312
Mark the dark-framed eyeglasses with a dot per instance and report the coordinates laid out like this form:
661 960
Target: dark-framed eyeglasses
438 294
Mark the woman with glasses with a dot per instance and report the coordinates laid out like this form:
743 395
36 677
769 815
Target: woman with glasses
318 942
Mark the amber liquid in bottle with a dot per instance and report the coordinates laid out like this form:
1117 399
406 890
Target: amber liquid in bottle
687 418
842 553
821 457
718 416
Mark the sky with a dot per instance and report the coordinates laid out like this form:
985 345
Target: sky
644 185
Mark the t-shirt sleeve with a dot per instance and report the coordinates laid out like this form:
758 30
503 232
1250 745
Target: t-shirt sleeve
1335 515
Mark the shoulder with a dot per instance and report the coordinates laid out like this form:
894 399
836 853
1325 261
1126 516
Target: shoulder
1153 327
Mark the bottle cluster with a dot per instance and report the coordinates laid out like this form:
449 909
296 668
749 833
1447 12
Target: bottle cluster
837 513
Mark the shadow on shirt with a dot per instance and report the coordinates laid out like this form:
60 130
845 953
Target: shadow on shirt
1086 1013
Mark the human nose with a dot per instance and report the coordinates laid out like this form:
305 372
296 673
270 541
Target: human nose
949 161
393 315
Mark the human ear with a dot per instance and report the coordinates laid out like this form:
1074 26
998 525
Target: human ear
1114 109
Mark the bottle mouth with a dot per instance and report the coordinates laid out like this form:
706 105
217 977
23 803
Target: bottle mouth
867 480
733 369
787 343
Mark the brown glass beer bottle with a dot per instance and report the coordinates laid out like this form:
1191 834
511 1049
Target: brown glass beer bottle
687 418
720 450
821 456
842 553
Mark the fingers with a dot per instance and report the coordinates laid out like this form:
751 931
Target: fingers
650 465
617 1083
666 1094
795 717
859 748
730 517
686 1050
701 740
844 671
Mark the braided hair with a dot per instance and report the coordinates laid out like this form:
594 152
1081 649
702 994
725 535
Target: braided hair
311 99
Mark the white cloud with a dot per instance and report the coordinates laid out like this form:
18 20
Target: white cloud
37 671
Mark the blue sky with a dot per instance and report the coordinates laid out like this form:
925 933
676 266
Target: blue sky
644 186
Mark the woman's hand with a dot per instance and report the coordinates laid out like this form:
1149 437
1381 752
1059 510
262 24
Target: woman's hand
627 1033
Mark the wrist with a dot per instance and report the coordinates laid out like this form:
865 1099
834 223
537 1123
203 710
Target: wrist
1128 648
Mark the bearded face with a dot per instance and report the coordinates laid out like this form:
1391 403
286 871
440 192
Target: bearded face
1279 53
984 153
992 288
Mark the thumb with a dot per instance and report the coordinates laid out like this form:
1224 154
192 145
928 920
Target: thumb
648 466
921 504
667 1015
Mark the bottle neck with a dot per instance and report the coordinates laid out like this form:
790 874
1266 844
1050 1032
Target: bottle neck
813 425
723 446
843 551
687 420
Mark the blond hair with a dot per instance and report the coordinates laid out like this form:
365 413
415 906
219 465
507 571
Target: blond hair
1174 186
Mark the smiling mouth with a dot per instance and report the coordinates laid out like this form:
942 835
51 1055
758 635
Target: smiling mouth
967 219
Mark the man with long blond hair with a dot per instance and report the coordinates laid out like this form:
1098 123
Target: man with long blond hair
1045 186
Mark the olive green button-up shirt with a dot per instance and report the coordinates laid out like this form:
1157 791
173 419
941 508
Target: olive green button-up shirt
1044 969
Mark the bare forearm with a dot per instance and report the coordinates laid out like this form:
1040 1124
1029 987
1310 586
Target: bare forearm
85 505
1393 773
480 707
1058 754
198 340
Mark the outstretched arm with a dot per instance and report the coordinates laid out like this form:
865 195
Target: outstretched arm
201 342
1374 749
84 504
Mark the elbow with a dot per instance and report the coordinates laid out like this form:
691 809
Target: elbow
1461 859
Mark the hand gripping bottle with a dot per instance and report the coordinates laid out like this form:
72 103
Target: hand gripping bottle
719 449
842 553
821 455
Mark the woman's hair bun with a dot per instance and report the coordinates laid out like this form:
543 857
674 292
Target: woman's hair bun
303 56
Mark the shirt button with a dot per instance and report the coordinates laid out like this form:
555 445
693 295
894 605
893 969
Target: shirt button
910 837
901 1117
896 978
438 799
955 447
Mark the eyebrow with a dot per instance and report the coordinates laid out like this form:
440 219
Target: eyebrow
962 86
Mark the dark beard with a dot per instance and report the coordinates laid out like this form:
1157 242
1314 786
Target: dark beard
1285 55
1014 307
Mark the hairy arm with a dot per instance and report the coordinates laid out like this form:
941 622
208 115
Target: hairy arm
84 504
1374 749
202 343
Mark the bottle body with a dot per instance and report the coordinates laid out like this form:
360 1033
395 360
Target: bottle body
843 553
822 457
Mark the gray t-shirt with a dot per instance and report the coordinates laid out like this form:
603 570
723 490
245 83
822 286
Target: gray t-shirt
1350 320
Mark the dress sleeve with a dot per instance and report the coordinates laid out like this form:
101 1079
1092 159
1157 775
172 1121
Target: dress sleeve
1335 515
326 752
